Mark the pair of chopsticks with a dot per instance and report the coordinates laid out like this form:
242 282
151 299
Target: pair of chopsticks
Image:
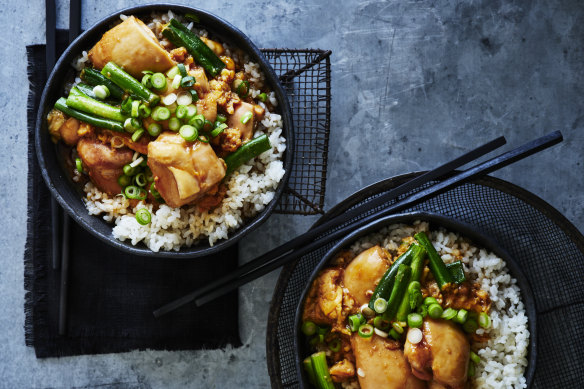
51 55
345 223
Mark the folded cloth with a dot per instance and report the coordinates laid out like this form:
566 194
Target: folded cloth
112 294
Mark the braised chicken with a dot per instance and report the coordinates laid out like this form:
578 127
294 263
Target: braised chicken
342 370
103 163
324 303
183 171
69 131
442 355
381 364
208 106
235 120
364 272
132 46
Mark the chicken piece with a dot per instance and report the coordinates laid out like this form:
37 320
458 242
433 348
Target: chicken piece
381 364
69 131
234 121
179 54
103 163
342 371
208 107
183 171
55 119
133 46
212 198
364 273
326 303
442 355
436 385
217 47
229 140
201 81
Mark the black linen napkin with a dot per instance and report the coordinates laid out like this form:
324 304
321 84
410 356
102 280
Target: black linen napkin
111 294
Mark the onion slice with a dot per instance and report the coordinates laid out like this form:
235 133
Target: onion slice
414 335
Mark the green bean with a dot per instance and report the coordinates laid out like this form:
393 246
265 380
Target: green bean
456 270
307 364
321 371
437 266
128 83
94 78
61 105
402 279
251 149
95 107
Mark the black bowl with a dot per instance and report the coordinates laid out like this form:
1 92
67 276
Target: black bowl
69 195
435 220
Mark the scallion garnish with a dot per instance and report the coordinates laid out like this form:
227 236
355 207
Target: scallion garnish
143 216
101 92
246 117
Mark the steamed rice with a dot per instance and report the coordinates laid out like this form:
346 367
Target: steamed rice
504 356
250 188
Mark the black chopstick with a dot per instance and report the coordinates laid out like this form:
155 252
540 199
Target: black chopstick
477 171
74 31
50 59
340 220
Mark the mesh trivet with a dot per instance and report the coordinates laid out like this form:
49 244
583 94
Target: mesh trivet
545 244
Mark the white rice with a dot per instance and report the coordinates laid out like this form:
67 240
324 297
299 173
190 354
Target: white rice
250 188
504 356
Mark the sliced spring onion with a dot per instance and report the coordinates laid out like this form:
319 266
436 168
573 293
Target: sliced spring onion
169 99
397 327
221 118
148 174
218 130
137 162
154 129
366 330
414 335
194 94
144 110
309 328
246 117
137 135
191 111
366 311
189 133
430 300
381 333
242 88
208 125
155 193
415 320
380 305
381 323
102 92
140 179
435 311
181 112
203 138
197 121
143 216
184 98
474 357
158 81
173 72
187 81
461 316
132 125
263 97
449 314
126 106
78 165
176 81
147 80
129 170
134 192
335 345
160 113
422 310
135 113
182 70
355 321
470 326
147 72
124 180
173 124
484 320
394 334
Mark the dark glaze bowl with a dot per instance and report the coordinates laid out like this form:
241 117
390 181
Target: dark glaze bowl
52 164
436 221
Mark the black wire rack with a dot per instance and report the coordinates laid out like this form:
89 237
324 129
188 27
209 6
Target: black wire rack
306 77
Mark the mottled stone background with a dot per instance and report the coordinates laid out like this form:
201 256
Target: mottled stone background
414 83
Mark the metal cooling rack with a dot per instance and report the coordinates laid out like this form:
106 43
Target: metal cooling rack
306 77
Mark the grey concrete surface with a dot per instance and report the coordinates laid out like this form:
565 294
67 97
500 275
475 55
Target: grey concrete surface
414 84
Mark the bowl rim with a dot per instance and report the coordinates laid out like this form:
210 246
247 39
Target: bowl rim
83 42
467 230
